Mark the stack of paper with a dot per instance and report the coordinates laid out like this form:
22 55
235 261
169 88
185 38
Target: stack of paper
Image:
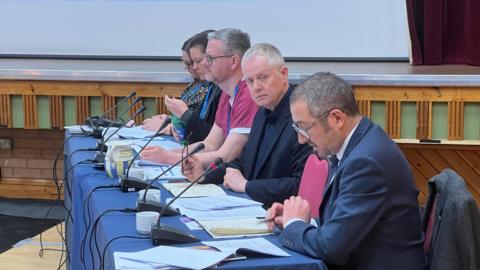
215 202
195 191
135 133
237 227
164 257
257 245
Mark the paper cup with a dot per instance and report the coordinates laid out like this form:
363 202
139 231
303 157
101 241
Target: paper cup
145 220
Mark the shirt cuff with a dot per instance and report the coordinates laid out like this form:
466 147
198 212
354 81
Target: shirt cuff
290 221
186 116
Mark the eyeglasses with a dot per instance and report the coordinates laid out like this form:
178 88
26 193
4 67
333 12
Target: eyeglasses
211 58
304 131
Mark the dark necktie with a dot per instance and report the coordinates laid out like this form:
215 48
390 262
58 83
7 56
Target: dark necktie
332 166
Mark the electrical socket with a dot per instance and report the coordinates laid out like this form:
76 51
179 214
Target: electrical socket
5 144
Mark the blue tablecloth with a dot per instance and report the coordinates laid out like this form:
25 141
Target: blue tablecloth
83 178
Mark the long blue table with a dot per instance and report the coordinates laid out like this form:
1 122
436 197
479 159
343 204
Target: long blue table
83 178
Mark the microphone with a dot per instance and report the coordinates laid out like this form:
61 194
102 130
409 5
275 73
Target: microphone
100 155
151 137
162 235
143 205
97 121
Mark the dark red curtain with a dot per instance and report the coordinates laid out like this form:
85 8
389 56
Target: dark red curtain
444 31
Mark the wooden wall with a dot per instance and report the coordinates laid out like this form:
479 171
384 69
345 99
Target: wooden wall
426 160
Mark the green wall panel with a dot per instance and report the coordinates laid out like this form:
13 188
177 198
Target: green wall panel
149 104
95 104
70 109
440 120
43 106
472 121
121 108
408 122
378 113
17 111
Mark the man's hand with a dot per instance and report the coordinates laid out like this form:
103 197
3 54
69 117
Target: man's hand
274 216
176 106
154 123
155 153
296 207
234 180
192 168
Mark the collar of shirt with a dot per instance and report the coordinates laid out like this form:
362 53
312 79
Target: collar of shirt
345 143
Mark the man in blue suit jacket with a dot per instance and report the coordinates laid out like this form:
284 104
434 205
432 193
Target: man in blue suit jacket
369 216
271 164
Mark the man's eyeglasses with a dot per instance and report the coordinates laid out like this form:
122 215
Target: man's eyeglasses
304 131
211 58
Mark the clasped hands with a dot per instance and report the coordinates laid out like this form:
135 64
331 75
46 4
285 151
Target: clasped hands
233 178
294 207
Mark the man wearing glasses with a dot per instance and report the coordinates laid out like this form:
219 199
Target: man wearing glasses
236 108
271 164
369 217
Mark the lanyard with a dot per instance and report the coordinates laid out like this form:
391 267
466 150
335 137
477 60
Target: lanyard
235 92
205 102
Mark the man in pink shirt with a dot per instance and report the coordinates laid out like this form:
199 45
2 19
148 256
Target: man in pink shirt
236 109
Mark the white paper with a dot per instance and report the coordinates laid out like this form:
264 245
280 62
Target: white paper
215 202
225 228
258 245
168 145
78 129
194 191
240 130
135 133
166 255
240 212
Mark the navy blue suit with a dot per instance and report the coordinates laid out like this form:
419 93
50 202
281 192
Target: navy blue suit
369 216
272 163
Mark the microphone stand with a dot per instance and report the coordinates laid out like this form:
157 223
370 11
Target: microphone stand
100 155
162 235
143 205
98 121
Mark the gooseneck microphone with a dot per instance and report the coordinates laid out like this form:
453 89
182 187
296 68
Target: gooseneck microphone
160 234
151 137
100 155
100 121
143 205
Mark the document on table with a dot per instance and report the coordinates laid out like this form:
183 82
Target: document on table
232 213
257 245
215 202
169 145
78 129
136 132
162 257
235 227
194 191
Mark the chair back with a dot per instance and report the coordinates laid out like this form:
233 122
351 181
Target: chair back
314 179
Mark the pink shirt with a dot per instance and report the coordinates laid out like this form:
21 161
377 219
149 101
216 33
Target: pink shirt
243 112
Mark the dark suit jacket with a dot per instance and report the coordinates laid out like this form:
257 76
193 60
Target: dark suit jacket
369 216
277 176
456 232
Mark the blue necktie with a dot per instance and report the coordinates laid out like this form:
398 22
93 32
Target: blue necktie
332 167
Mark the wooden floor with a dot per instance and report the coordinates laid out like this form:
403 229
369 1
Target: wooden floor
27 255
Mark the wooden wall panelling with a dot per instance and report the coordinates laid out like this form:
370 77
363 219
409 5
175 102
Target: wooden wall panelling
83 109
424 119
5 112
139 118
30 112
107 103
364 107
56 111
394 115
161 108
455 120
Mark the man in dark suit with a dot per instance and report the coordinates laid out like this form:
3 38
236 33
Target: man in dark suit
369 217
271 164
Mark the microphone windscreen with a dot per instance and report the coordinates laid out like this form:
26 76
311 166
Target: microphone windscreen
197 148
132 94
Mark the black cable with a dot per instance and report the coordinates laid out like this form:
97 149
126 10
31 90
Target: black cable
94 230
102 258
86 208
55 181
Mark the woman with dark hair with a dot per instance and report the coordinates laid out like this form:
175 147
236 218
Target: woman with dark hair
194 113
